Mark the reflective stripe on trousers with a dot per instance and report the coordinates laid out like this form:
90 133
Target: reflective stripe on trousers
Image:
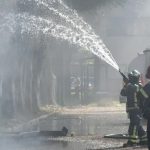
134 137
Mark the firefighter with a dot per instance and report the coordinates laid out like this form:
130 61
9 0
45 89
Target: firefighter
145 92
137 135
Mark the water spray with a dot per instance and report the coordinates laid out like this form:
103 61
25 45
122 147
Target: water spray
34 25
77 24
78 32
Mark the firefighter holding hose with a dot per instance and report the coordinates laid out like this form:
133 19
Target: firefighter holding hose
137 135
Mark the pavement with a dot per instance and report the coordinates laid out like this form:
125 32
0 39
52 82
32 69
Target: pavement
87 124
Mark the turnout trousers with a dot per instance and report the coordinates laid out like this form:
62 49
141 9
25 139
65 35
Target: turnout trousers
136 131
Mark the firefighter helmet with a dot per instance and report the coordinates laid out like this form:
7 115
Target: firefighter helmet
134 76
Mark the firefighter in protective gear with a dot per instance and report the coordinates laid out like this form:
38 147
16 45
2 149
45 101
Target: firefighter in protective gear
137 135
145 92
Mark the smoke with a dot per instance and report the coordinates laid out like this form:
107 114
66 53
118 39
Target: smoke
123 25
26 74
87 5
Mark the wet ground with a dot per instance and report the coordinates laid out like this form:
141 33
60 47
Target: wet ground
86 131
